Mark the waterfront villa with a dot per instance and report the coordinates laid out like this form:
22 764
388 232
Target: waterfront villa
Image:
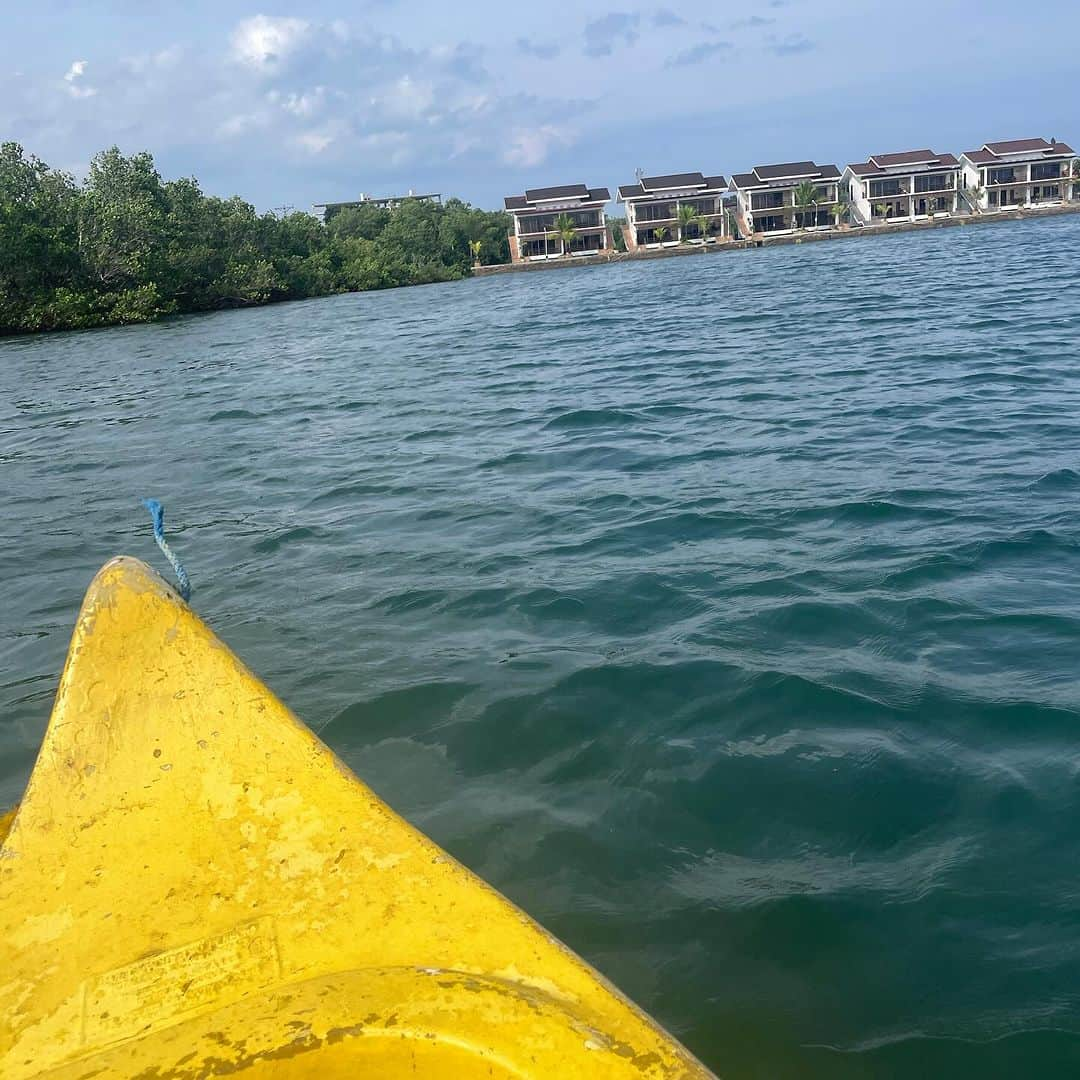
1024 172
902 187
536 213
767 200
655 211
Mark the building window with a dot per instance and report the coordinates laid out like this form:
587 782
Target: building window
939 182
767 200
655 212
770 223
1046 171
884 188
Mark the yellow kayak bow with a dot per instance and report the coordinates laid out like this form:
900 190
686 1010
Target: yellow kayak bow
194 886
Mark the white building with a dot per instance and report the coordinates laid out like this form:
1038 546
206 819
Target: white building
652 208
535 215
767 196
1021 173
325 211
906 186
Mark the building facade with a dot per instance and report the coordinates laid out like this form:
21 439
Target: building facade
1021 173
654 203
902 187
536 215
767 200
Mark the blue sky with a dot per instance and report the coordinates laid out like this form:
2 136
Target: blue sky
289 103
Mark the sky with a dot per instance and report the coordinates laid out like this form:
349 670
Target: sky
291 104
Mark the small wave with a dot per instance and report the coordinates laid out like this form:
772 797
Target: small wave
269 544
871 511
234 414
1056 480
593 418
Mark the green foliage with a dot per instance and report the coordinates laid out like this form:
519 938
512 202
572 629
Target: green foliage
618 236
565 230
127 246
806 196
685 215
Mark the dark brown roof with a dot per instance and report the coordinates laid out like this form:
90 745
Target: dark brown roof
792 170
906 157
570 192
1016 146
992 152
786 171
878 164
566 191
673 180
656 186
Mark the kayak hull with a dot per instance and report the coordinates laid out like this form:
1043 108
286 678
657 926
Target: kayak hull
194 885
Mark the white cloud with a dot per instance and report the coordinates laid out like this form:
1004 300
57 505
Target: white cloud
292 100
410 98
75 88
533 147
241 124
314 142
263 41
305 103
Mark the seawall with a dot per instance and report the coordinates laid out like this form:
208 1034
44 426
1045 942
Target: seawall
762 240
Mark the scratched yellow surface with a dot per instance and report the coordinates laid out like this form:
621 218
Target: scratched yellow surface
193 886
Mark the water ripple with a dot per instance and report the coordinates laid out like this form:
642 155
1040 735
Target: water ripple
724 615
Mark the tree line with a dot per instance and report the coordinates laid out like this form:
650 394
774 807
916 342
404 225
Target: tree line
127 246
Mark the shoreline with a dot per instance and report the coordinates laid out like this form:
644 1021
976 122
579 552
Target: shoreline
764 241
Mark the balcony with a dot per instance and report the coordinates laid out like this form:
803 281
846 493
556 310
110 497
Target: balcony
943 185
532 229
1003 179
888 189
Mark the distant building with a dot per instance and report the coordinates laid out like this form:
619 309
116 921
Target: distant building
325 211
1024 172
536 211
766 196
652 208
903 187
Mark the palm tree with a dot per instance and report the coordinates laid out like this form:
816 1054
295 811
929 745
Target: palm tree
475 247
806 195
565 230
837 212
733 226
660 233
702 223
882 210
685 216
974 196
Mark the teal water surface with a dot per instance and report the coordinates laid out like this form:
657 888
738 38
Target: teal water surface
723 612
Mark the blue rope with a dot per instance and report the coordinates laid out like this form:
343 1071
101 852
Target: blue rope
157 513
